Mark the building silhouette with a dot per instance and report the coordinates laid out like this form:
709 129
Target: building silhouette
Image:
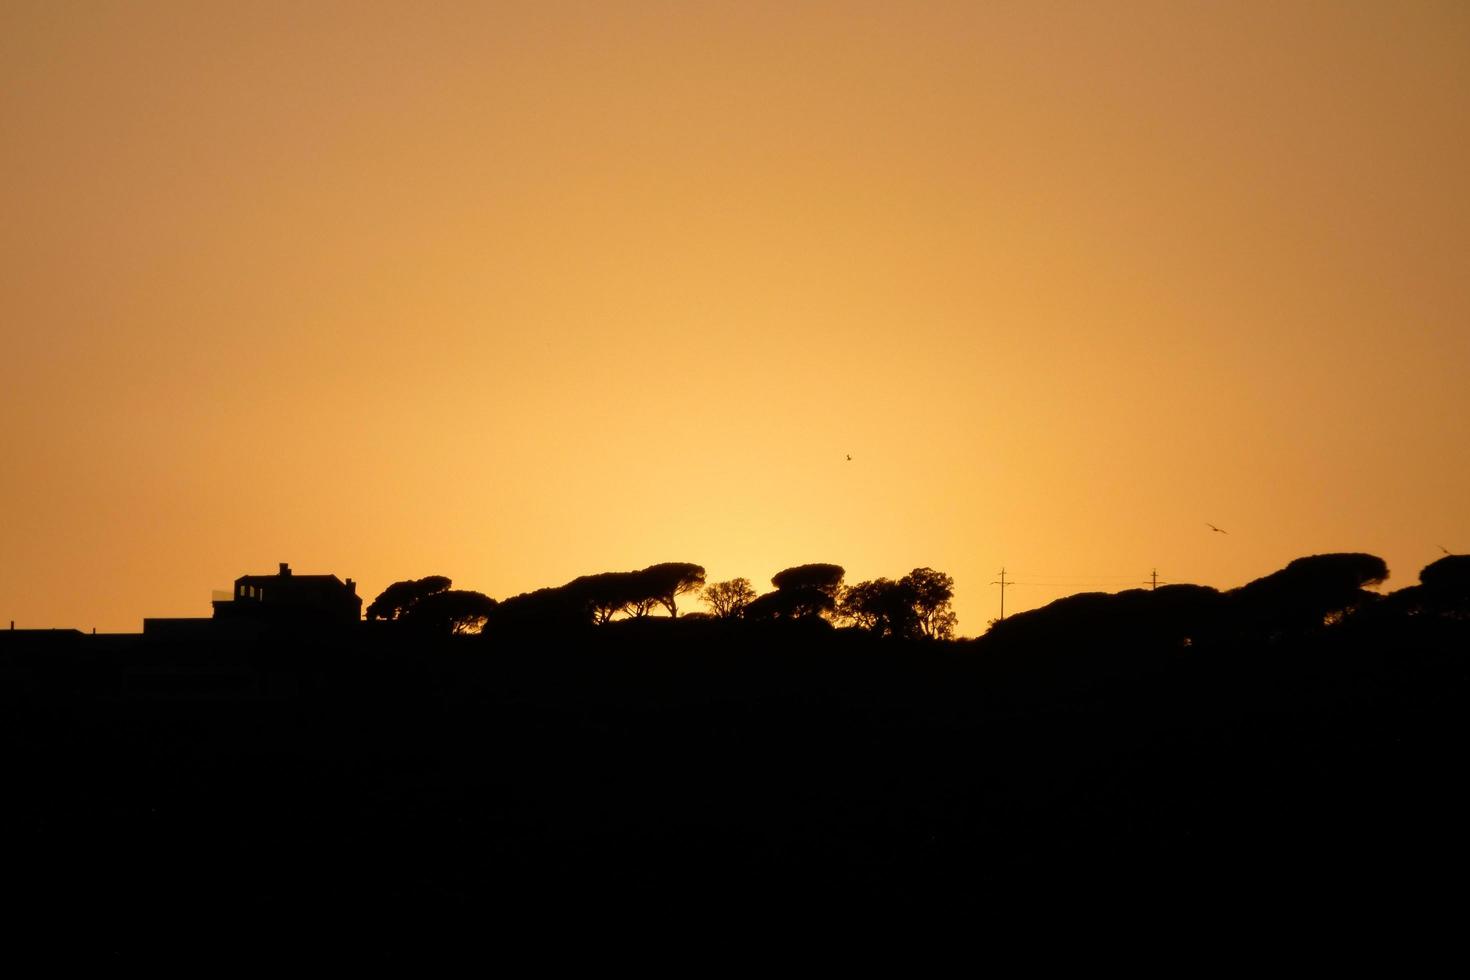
288 597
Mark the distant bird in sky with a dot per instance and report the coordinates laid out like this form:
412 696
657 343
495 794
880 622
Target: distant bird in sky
849 457
1212 527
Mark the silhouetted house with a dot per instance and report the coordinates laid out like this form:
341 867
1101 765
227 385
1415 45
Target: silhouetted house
14 639
294 599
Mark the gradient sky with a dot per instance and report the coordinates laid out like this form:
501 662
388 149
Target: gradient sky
513 292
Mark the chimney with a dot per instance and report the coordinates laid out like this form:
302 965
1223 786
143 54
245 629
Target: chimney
285 570
352 586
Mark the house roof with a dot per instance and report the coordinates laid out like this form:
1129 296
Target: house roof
293 577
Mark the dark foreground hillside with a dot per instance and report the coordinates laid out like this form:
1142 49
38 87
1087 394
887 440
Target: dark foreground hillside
681 767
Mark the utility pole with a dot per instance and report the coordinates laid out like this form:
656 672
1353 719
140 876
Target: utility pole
1154 579
1003 586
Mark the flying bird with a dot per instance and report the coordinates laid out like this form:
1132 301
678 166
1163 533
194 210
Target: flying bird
849 457
1212 527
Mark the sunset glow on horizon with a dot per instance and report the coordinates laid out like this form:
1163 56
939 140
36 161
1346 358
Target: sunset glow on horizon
515 292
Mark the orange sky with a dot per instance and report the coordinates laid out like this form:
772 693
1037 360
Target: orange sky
515 292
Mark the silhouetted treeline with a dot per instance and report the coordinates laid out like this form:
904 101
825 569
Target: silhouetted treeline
596 599
915 606
1443 591
429 605
1306 596
1297 736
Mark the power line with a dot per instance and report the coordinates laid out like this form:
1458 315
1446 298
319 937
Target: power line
1042 577
1048 584
1076 583
1003 586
